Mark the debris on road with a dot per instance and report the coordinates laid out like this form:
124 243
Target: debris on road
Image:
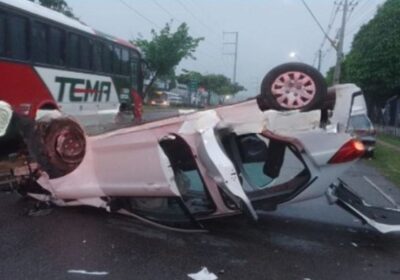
203 274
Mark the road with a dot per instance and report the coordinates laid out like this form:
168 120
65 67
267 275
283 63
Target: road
303 241
97 124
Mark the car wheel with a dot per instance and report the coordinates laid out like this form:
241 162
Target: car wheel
57 145
294 86
369 154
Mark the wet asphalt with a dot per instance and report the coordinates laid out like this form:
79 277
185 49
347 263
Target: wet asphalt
304 241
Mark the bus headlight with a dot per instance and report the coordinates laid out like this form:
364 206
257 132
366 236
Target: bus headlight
5 117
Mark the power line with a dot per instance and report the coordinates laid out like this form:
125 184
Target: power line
352 6
362 8
195 17
332 19
362 19
178 20
339 52
318 23
206 54
139 14
196 6
165 10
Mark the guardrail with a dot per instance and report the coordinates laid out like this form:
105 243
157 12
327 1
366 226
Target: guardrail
388 130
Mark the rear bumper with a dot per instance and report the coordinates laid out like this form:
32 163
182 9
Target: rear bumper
369 143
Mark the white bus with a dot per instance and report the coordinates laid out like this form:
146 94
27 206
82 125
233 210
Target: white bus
49 61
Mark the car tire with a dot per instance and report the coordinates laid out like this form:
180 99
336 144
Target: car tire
369 154
293 86
57 145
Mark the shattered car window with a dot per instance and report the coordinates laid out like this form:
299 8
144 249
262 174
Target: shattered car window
359 122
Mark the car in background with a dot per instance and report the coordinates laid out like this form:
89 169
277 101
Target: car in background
166 98
361 126
159 98
174 99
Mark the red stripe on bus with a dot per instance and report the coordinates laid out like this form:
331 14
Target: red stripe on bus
85 91
20 84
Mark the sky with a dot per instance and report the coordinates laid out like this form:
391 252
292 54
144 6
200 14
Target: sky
269 30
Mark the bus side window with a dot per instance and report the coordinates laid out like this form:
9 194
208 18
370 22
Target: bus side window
97 59
117 60
2 34
106 57
125 62
17 37
73 51
56 46
39 42
85 53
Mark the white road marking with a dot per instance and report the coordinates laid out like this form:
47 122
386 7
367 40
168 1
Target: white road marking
97 273
386 196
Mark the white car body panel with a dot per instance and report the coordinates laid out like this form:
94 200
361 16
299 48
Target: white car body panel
132 163
5 117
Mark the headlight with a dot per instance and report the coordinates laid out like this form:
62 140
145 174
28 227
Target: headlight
5 117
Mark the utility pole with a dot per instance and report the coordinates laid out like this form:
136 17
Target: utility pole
339 57
319 59
235 53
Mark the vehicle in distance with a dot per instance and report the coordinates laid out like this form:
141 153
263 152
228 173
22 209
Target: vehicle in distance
266 152
166 98
159 98
361 126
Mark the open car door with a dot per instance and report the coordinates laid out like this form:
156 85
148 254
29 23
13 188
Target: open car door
383 219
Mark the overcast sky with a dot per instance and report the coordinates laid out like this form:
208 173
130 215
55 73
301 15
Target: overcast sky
269 30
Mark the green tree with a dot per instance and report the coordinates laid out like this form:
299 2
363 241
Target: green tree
57 5
166 50
221 85
374 60
216 83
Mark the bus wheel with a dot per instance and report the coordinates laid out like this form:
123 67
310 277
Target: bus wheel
58 145
294 86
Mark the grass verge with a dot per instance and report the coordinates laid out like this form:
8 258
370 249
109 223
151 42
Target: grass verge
387 159
390 139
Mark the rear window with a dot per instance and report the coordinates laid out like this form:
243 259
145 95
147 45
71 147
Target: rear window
359 122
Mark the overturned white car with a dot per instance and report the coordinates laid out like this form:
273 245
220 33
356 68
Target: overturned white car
178 171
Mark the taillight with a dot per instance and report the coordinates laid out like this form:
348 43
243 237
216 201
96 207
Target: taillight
352 150
24 109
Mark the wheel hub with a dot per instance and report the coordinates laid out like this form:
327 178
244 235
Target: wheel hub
293 90
70 146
